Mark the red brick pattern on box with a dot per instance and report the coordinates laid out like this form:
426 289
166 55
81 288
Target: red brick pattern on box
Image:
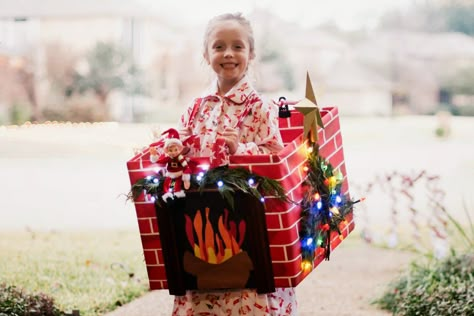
144 209
282 218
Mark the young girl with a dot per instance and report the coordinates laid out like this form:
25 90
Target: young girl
233 113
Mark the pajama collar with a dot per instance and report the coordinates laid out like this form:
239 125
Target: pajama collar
238 95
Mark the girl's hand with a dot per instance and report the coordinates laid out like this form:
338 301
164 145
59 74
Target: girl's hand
231 137
184 132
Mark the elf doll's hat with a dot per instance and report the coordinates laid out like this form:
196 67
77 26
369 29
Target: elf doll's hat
173 137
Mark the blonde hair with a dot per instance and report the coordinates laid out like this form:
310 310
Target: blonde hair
238 17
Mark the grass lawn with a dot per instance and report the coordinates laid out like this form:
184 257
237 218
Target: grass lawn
93 272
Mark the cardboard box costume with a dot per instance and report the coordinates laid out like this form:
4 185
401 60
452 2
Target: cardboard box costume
271 240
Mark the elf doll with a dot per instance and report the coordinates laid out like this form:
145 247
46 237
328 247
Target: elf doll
178 172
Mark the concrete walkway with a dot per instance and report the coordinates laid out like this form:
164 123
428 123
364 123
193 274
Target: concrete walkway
344 286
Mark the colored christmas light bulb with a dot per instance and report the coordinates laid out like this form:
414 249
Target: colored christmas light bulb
220 183
338 199
306 266
317 196
155 180
251 181
320 241
332 181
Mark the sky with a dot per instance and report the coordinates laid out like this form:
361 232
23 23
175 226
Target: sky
347 14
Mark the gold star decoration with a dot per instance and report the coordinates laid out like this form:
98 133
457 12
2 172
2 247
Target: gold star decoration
309 108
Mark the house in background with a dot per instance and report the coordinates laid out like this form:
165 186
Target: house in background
38 32
385 73
356 90
416 64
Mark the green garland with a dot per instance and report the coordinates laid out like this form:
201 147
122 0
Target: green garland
323 206
226 180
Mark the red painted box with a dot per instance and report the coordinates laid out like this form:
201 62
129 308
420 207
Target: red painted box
282 218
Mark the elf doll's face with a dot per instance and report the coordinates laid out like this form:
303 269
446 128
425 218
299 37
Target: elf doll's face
173 150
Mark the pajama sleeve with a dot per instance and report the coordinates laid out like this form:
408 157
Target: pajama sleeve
263 132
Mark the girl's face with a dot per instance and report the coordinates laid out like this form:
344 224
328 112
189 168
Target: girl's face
228 53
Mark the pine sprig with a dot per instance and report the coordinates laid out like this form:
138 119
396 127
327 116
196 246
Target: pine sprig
233 179
323 208
147 185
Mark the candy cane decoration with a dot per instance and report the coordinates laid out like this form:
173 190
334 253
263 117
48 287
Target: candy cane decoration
393 237
363 215
395 185
363 212
438 222
407 185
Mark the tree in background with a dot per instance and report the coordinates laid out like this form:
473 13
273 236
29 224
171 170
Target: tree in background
460 81
459 16
271 55
433 16
457 90
59 63
107 67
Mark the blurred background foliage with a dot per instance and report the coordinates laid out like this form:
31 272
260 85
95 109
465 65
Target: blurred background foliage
433 16
419 60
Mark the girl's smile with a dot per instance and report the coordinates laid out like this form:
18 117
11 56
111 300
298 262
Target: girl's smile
229 65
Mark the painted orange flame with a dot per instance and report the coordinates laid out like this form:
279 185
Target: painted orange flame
211 246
